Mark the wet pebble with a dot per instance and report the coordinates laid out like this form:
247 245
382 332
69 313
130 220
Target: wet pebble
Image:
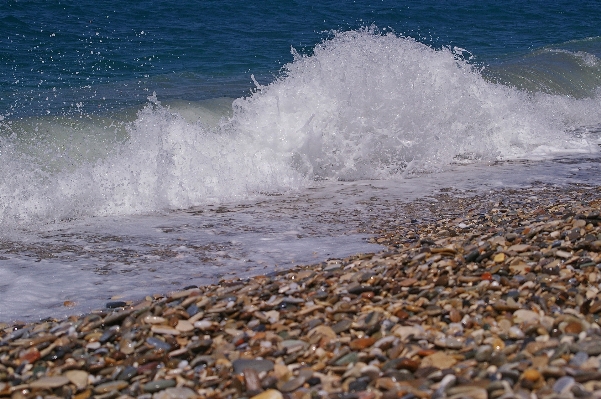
491 299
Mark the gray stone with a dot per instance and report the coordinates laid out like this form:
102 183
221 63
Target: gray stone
158 343
347 359
342 325
175 393
127 373
158 385
564 384
578 359
258 365
483 353
591 348
110 387
49 382
291 385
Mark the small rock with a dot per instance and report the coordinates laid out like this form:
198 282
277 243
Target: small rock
518 248
164 330
269 394
323 331
158 343
499 258
531 375
455 316
259 365
252 380
184 326
404 332
203 324
157 385
110 386
342 326
128 373
564 384
516 333
116 304
440 360
483 353
447 382
49 382
361 343
291 385
154 320
591 348
573 328
79 378
175 393
466 391
525 316
347 359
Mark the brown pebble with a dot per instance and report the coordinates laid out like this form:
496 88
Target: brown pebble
83 395
531 375
30 355
408 364
252 380
455 316
401 314
269 394
573 328
362 343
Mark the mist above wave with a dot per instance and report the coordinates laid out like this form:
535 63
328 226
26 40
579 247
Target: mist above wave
363 105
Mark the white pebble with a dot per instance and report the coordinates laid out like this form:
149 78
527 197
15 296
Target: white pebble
203 324
93 345
516 333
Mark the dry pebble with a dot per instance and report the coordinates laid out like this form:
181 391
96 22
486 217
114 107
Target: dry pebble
482 297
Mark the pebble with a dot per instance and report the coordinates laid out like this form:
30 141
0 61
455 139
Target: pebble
483 353
158 343
164 330
531 375
184 326
269 394
507 306
525 316
439 360
564 384
291 385
49 382
176 393
110 386
157 385
579 359
78 377
259 365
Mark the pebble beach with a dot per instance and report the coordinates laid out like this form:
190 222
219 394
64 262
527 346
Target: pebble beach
493 295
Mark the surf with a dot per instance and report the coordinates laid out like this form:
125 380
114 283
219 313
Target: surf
360 105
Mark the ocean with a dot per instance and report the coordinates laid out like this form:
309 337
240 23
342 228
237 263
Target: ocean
149 146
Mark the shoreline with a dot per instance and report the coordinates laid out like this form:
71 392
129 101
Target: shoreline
485 296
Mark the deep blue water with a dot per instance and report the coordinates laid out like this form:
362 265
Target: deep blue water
67 56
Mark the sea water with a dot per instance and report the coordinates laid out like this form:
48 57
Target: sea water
148 147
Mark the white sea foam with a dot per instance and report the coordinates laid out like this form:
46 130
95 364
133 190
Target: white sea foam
362 106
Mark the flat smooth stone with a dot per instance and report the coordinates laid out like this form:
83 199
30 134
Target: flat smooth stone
258 365
49 382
